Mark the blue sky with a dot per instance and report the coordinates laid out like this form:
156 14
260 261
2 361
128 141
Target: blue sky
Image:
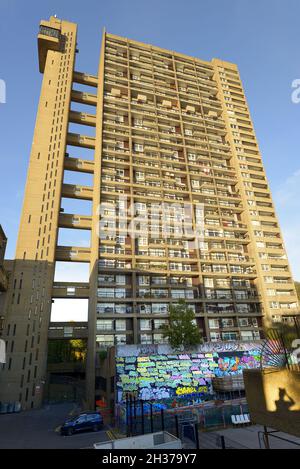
261 36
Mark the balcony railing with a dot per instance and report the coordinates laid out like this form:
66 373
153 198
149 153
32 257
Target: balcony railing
51 32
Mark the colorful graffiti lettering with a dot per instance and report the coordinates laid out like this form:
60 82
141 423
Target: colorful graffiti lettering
168 375
191 390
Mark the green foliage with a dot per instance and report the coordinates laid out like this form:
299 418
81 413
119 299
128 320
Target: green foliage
181 332
60 351
288 331
102 354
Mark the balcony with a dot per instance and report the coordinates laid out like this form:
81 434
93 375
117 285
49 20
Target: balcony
152 294
107 251
113 294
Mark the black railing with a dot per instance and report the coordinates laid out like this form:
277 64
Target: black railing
47 31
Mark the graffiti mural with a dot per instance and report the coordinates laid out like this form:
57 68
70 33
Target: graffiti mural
159 374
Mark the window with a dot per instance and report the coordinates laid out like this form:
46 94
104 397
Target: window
228 336
146 339
139 176
220 308
159 339
178 293
192 156
104 341
215 336
246 335
122 309
227 322
106 292
158 323
105 308
243 308
260 244
271 292
145 309
259 234
106 279
104 324
120 293
213 323
244 322
115 92
143 280
209 282
120 172
160 280
145 325
241 294
138 147
223 294
268 279
121 339
159 308
121 325
138 122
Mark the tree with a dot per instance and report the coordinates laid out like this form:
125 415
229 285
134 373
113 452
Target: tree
288 332
62 350
181 331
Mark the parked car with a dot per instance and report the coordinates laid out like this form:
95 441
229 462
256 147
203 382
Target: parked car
82 422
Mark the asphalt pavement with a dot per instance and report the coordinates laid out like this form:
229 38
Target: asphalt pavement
37 429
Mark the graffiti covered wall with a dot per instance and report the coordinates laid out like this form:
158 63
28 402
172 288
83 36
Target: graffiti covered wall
156 372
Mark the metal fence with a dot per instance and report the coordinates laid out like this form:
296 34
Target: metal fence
136 417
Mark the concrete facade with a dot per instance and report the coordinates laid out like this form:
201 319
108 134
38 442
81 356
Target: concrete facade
169 129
